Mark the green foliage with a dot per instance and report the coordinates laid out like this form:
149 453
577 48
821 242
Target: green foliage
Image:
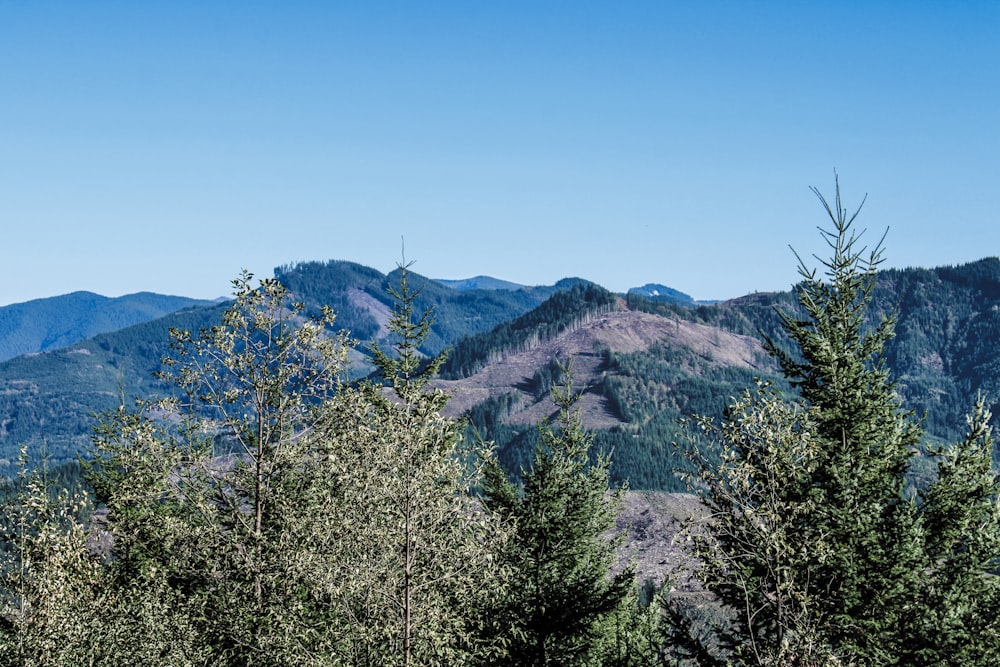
417 552
958 608
756 551
812 541
563 592
221 540
653 391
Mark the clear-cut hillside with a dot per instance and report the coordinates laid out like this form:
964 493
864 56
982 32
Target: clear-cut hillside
586 344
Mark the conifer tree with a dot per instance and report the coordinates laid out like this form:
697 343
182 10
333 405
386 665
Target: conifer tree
812 543
866 440
563 588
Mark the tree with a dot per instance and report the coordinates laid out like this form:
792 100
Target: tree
415 553
958 615
867 440
563 590
812 541
48 576
755 547
206 492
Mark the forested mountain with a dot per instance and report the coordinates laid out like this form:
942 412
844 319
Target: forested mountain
642 363
48 324
945 351
360 298
48 400
656 292
480 282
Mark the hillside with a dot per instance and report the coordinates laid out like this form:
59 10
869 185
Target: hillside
638 374
48 324
592 344
360 297
641 364
646 364
50 399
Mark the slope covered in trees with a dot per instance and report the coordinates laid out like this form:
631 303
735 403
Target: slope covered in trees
53 397
560 311
49 324
355 292
944 352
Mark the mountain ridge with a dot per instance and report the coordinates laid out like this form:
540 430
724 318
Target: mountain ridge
643 364
54 322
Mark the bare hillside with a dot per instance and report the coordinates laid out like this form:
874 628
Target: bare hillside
650 522
622 331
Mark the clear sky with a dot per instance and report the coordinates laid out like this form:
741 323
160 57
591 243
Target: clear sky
164 146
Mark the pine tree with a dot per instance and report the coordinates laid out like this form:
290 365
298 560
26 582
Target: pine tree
866 442
811 542
563 590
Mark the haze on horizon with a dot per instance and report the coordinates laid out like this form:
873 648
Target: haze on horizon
163 147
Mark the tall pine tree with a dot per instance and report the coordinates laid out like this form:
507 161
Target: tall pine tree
560 555
812 542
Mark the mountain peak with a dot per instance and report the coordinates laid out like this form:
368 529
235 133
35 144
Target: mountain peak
657 292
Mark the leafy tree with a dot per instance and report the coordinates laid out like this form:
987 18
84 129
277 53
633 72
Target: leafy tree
563 592
958 609
48 576
205 500
755 550
415 552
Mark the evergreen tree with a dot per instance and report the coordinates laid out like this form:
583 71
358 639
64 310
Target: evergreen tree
563 591
866 440
811 542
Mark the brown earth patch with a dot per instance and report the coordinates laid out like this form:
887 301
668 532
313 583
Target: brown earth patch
621 331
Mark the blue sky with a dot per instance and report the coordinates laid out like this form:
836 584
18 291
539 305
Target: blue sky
166 146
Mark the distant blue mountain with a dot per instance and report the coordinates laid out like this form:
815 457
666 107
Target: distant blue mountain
480 282
54 322
655 292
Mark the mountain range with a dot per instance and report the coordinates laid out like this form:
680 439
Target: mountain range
642 360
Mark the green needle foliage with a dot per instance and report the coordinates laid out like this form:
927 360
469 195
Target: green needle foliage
563 592
812 542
